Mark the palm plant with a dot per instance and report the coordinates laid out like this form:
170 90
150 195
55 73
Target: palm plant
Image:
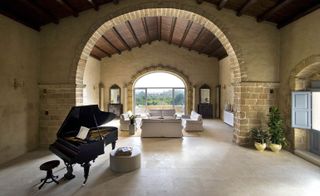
275 125
259 135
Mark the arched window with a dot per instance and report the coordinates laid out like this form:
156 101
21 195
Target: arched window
159 90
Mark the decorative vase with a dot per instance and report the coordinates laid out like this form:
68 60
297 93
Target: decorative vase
260 147
131 129
275 147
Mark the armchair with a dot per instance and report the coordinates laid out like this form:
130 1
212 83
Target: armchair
192 122
125 120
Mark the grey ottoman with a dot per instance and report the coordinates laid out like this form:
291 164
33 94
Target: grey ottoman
125 163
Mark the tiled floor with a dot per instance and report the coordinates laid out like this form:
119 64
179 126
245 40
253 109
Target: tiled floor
209 164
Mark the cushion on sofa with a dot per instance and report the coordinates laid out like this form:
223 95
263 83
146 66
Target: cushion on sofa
195 116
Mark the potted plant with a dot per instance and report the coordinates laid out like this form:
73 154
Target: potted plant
260 138
132 124
275 124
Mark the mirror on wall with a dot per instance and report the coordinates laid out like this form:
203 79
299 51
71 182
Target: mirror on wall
205 93
115 94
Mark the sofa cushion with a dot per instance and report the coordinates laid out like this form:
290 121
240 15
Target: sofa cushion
195 116
170 112
155 113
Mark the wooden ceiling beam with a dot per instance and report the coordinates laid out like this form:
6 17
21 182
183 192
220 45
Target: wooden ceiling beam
199 1
159 26
111 44
197 38
214 39
245 7
94 4
95 56
173 25
68 7
268 14
222 3
299 15
125 44
215 51
185 34
133 33
36 5
103 51
146 30
23 21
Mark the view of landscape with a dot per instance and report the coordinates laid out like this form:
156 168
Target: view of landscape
159 98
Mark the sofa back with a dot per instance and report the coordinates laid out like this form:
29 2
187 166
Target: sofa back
162 112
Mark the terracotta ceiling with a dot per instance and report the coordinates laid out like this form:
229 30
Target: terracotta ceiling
177 31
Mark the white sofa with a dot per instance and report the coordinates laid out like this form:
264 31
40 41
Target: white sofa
162 113
193 122
161 128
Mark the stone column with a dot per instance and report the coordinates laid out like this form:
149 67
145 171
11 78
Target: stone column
252 101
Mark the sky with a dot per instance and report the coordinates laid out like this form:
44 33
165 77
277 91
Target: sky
159 79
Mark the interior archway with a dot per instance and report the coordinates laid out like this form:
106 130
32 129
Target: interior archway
178 10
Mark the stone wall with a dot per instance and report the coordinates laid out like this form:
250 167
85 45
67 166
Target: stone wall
252 101
19 59
199 69
91 80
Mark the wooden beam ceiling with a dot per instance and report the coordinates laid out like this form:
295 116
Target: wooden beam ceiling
273 10
245 7
135 33
94 4
186 31
222 4
68 7
34 13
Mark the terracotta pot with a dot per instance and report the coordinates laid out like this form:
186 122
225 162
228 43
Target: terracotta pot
260 147
275 147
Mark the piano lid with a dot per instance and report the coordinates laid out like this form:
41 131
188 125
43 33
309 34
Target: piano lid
89 116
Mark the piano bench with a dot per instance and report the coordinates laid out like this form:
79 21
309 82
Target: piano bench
48 166
125 163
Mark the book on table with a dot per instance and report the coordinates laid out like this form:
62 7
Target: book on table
124 151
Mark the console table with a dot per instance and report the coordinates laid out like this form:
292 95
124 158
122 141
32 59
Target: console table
228 117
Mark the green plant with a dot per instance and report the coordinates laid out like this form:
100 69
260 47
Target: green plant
132 119
275 125
259 135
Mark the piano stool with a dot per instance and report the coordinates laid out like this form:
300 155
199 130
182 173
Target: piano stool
124 163
48 166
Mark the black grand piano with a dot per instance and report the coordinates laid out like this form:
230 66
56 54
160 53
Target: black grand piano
74 150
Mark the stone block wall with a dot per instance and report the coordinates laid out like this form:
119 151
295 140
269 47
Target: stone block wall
252 101
55 103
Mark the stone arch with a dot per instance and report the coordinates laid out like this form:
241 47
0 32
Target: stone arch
298 80
303 70
171 9
165 68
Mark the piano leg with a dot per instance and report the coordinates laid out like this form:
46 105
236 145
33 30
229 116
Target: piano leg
86 167
113 145
69 174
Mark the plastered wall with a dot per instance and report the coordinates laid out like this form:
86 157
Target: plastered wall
299 40
19 63
91 79
119 69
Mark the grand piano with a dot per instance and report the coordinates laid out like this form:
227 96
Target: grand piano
73 150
